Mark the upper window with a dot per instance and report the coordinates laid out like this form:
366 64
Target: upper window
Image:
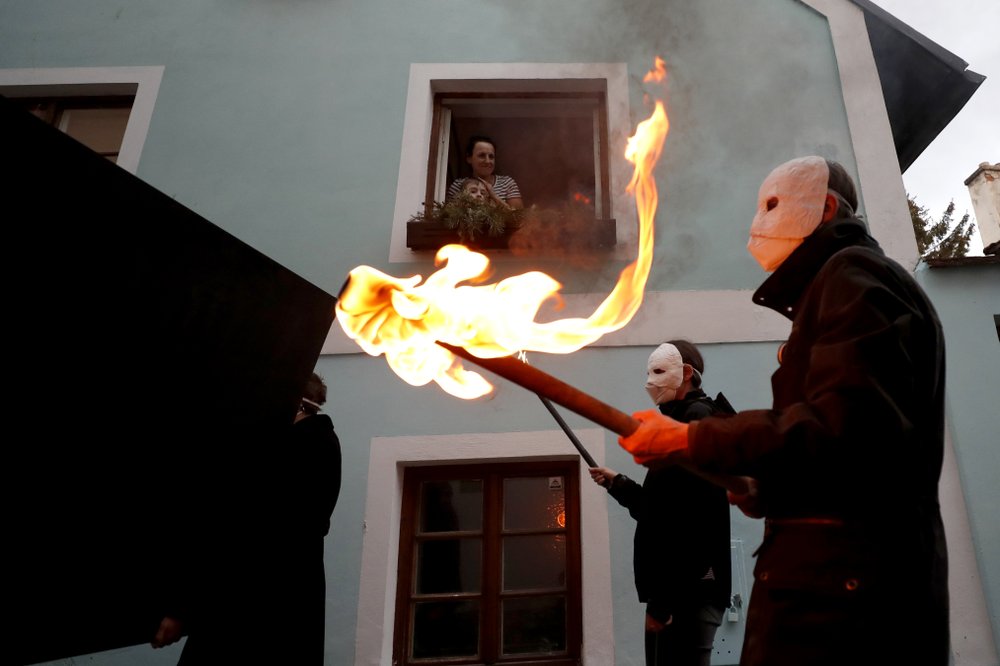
489 565
554 145
108 109
555 129
547 150
97 122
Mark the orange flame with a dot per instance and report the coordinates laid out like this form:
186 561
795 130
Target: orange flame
659 71
404 318
581 198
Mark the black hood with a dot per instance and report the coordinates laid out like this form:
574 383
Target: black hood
781 292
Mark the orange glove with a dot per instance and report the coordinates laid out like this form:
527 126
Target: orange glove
658 438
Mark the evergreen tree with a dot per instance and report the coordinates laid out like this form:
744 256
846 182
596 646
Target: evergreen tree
941 239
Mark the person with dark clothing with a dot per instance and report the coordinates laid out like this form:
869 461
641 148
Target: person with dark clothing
681 556
846 463
316 446
258 593
312 487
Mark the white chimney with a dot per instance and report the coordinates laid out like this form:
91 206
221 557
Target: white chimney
984 188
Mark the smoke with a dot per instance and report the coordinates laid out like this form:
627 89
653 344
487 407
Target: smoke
568 232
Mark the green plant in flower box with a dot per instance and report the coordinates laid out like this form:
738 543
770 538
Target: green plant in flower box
471 218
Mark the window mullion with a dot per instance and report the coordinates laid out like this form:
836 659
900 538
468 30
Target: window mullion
602 162
492 568
433 157
443 151
403 635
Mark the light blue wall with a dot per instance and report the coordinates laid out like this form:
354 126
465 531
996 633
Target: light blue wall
281 121
967 298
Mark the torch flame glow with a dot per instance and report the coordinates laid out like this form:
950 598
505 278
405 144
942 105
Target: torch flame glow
659 71
404 319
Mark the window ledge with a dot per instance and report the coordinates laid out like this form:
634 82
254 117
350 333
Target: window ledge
601 234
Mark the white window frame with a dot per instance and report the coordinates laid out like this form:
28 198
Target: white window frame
380 543
143 82
429 78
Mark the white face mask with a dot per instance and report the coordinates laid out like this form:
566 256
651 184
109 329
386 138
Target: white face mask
664 373
789 208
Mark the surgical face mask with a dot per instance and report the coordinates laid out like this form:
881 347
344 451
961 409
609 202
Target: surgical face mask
789 208
664 373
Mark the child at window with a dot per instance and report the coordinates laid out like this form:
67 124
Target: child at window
475 189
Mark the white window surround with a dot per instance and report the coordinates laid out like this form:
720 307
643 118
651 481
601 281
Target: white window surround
412 181
972 640
380 544
143 82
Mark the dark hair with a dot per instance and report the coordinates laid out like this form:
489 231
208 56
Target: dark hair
691 356
315 392
841 182
477 138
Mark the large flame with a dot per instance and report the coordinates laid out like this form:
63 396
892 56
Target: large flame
404 318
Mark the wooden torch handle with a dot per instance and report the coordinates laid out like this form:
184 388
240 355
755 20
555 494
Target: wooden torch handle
556 390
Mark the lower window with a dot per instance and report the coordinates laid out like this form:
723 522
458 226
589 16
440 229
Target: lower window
489 565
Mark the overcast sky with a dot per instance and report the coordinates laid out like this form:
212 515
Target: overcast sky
969 29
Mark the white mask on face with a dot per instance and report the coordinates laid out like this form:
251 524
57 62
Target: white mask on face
789 208
664 373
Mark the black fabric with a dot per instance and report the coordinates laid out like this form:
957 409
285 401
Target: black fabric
855 434
687 641
314 479
311 486
682 528
279 616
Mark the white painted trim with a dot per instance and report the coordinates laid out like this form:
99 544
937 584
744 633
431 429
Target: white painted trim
700 316
145 79
972 641
880 182
380 543
411 183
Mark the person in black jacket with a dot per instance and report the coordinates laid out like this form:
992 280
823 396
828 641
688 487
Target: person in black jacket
681 553
846 462
269 605
312 487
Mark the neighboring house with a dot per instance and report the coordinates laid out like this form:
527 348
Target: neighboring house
313 131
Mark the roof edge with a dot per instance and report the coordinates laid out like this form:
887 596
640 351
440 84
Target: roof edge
932 47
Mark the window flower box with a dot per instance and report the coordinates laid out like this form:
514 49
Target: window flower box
532 230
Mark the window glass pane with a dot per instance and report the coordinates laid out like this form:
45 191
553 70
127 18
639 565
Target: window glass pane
449 565
532 562
101 130
450 506
534 624
534 503
445 629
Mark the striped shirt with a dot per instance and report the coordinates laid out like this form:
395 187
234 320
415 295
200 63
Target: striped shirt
504 187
